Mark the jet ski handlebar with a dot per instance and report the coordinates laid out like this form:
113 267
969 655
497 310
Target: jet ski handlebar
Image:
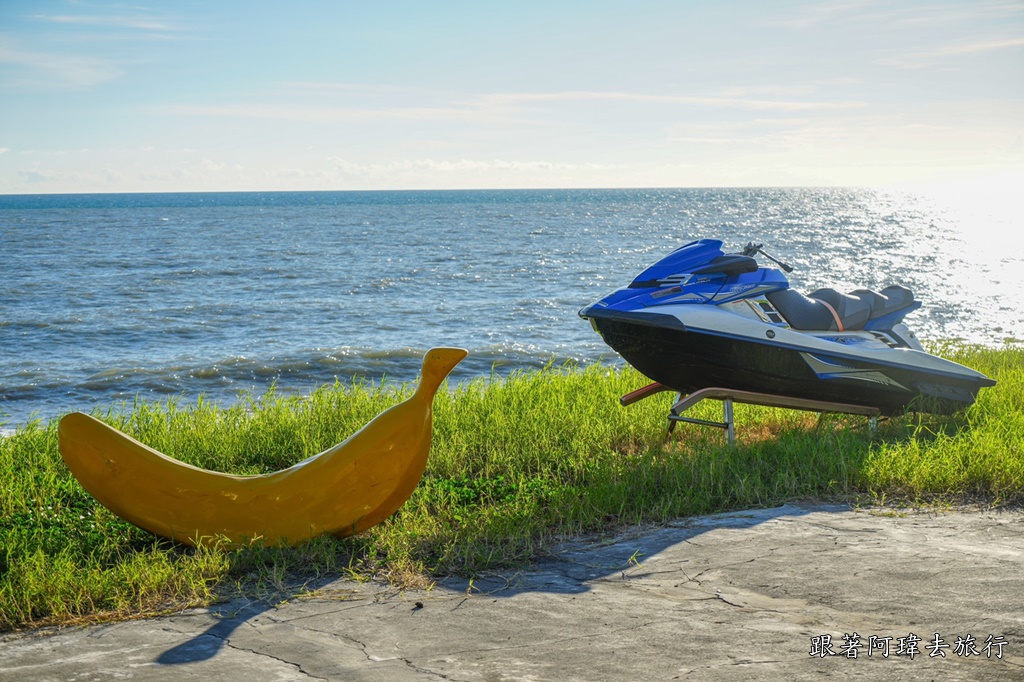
752 249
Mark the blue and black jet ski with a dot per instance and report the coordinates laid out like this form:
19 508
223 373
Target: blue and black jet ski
701 318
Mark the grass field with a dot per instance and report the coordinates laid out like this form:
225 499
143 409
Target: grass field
516 465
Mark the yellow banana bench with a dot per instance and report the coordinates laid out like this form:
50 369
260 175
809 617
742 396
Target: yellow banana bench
341 491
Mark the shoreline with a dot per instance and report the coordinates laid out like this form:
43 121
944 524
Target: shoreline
493 368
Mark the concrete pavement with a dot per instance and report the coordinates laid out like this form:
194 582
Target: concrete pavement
766 594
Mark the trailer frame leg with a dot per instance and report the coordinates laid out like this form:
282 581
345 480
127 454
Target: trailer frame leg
729 396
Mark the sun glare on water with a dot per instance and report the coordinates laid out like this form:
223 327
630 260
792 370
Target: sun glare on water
976 233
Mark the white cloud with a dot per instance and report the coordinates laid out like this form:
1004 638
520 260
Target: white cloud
36 177
143 23
735 97
512 99
493 106
317 113
356 88
980 46
461 165
894 15
815 15
927 58
42 69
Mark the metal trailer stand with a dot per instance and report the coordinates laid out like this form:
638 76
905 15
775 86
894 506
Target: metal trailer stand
728 396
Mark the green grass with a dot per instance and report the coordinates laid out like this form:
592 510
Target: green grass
516 465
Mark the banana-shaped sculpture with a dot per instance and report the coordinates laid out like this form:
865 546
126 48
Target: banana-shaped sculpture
344 490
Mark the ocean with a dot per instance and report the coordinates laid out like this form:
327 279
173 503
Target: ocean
106 298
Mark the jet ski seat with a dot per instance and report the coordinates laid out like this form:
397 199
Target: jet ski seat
891 299
805 313
830 310
849 311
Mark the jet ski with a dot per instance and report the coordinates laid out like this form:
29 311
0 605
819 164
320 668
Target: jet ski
700 318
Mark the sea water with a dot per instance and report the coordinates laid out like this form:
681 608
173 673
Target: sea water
105 298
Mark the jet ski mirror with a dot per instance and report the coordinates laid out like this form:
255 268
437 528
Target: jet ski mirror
753 249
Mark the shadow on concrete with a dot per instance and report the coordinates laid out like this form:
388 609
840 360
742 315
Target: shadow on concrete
207 644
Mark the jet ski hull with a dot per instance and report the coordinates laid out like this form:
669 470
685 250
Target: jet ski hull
687 360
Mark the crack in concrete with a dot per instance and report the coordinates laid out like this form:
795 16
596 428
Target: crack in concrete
428 671
730 664
638 575
320 614
697 578
831 528
551 642
720 597
297 666
364 649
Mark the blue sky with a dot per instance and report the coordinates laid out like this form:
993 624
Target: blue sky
230 95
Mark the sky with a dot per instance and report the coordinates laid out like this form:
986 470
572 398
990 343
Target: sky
345 95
